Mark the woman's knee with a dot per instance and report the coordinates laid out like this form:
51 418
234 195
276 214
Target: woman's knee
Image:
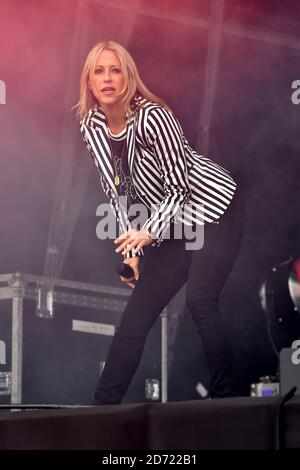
200 300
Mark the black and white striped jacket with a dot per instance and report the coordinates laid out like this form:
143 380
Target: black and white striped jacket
168 174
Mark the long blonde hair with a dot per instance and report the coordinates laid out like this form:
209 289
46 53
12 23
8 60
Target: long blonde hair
133 82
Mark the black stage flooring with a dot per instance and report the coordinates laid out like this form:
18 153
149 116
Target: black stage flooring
231 423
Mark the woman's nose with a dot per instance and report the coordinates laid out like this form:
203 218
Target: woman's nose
107 76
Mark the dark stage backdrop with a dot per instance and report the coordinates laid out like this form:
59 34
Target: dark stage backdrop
253 130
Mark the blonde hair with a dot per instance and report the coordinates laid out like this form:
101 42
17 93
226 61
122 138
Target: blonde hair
133 82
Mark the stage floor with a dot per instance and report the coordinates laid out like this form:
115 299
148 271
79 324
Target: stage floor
231 423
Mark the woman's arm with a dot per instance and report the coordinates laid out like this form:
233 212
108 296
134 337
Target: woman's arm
164 135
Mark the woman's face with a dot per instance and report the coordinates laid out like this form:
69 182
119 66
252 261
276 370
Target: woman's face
107 79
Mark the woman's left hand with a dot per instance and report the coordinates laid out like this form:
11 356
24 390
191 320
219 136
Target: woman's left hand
136 239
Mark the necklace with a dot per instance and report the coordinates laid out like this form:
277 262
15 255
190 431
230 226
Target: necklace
117 178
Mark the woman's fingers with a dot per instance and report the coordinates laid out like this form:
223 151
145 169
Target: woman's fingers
121 237
127 281
133 239
124 244
136 273
130 247
135 245
138 247
134 264
125 238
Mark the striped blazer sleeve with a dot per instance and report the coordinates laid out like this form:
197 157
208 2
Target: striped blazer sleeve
94 147
164 135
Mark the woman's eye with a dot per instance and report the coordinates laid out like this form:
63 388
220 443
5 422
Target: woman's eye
113 70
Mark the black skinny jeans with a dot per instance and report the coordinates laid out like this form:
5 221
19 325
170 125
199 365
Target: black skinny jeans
163 271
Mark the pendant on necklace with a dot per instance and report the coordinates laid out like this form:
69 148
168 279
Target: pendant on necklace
117 180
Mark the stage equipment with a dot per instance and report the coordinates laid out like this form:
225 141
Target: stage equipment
61 355
280 300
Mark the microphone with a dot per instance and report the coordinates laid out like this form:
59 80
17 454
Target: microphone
125 270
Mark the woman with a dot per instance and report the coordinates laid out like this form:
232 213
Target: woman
142 155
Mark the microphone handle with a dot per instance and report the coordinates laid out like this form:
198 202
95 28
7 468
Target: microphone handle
125 270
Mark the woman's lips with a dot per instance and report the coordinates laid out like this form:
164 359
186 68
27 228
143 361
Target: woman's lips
108 92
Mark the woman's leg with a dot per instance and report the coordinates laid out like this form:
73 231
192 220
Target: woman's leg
163 270
209 270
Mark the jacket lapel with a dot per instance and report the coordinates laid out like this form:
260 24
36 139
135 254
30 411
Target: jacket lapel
100 128
130 137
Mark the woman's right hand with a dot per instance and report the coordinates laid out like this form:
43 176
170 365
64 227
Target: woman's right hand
134 264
